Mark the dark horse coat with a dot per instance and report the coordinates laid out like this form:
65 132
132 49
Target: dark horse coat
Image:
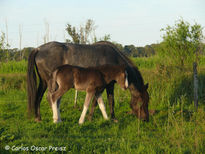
49 56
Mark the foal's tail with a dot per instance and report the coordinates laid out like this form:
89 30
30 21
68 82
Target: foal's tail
31 82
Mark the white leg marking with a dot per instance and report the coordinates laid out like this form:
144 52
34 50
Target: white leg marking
55 112
76 96
126 80
85 108
59 116
102 107
82 117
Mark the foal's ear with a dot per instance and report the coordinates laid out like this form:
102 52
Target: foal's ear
146 86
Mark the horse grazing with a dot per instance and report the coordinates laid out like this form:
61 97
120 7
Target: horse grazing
93 80
46 58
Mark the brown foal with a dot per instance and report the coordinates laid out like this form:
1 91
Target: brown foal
93 80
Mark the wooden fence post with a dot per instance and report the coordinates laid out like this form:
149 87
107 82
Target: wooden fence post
195 86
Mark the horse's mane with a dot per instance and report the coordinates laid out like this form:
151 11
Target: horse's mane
124 57
129 62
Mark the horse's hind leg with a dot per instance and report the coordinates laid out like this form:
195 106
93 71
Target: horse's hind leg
41 90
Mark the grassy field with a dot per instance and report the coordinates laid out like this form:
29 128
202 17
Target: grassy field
174 128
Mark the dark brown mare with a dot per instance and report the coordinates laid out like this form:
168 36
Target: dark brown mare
49 56
93 80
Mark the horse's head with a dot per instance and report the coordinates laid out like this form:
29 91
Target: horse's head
139 102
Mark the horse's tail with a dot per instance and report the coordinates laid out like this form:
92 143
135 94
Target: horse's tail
31 82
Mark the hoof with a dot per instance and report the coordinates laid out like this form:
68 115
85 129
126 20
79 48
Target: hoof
37 119
90 118
80 122
152 112
114 120
57 121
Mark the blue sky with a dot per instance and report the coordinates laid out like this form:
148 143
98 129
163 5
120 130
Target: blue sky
136 22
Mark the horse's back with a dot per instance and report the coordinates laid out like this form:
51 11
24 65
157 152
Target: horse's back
54 54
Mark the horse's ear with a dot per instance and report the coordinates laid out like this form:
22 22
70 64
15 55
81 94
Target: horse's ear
146 86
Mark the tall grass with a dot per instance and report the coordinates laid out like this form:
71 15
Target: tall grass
13 67
145 62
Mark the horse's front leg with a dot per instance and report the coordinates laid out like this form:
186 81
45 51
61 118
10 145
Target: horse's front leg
88 98
110 97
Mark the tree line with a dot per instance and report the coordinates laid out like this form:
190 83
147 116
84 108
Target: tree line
129 50
181 43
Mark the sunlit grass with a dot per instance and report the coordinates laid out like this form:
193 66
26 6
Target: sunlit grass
13 67
174 128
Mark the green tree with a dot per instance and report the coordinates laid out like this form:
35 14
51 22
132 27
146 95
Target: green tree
85 34
130 50
181 43
81 35
4 52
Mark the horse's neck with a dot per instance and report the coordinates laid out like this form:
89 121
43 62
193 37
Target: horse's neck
109 76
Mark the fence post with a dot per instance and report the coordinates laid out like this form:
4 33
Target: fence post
195 86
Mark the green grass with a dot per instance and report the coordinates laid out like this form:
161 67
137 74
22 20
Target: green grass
174 128
144 62
13 67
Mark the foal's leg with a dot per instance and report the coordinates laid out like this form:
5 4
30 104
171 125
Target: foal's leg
76 96
85 107
94 104
55 112
55 99
49 93
102 107
58 111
